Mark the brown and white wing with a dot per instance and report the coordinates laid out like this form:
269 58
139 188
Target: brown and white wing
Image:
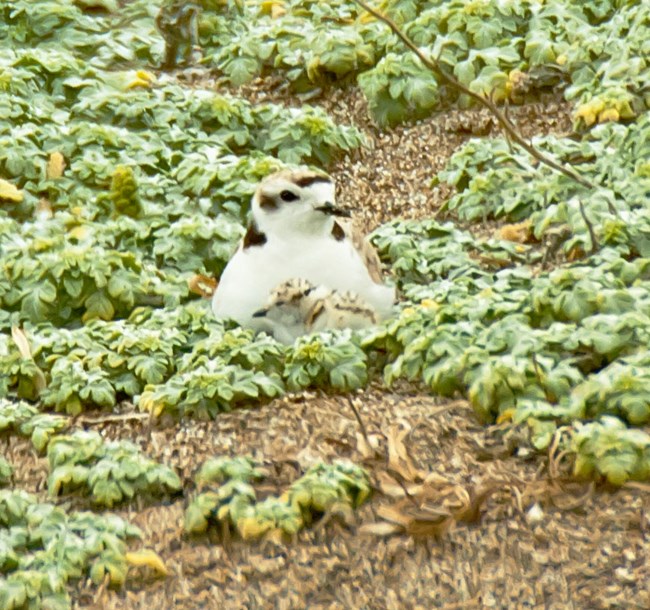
365 249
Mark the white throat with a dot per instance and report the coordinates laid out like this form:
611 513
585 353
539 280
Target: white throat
310 223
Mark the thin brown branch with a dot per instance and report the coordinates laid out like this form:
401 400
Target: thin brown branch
508 127
590 227
357 416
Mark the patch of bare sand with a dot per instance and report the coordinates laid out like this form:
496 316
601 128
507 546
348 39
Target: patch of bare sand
393 177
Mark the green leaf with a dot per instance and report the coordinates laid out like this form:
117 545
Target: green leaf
13 594
98 305
107 493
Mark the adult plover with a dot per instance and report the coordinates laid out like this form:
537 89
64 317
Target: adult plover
297 307
297 231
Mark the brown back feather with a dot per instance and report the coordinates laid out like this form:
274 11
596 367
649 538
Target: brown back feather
365 249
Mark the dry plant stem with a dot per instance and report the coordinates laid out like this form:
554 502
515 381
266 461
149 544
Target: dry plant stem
359 420
504 121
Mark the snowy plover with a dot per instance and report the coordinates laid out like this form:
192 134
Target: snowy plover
297 231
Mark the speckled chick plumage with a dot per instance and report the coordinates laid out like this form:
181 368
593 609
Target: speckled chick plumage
297 307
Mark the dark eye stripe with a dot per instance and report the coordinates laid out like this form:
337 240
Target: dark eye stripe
268 203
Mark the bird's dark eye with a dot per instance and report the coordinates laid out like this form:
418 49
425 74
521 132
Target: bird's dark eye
288 196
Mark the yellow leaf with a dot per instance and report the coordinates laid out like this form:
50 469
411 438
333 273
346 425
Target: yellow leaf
268 7
586 114
80 232
138 82
202 285
589 112
147 403
22 343
520 232
141 78
55 166
147 557
277 11
250 528
516 78
146 76
366 18
610 114
506 416
9 192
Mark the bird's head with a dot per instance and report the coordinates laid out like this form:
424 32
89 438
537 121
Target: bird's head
299 201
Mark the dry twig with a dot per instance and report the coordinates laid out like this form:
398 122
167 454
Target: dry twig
508 127
357 416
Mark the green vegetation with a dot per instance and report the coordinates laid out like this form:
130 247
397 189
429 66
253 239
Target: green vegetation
26 420
6 470
43 547
109 472
228 499
609 449
493 181
557 346
102 293
510 50
118 188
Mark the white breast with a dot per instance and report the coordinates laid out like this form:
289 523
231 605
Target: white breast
253 272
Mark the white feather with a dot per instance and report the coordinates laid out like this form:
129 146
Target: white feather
253 272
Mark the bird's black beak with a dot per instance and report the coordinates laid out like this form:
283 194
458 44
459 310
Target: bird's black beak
331 210
260 313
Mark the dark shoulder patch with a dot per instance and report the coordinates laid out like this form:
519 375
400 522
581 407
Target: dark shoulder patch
337 232
253 236
309 180
267 202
